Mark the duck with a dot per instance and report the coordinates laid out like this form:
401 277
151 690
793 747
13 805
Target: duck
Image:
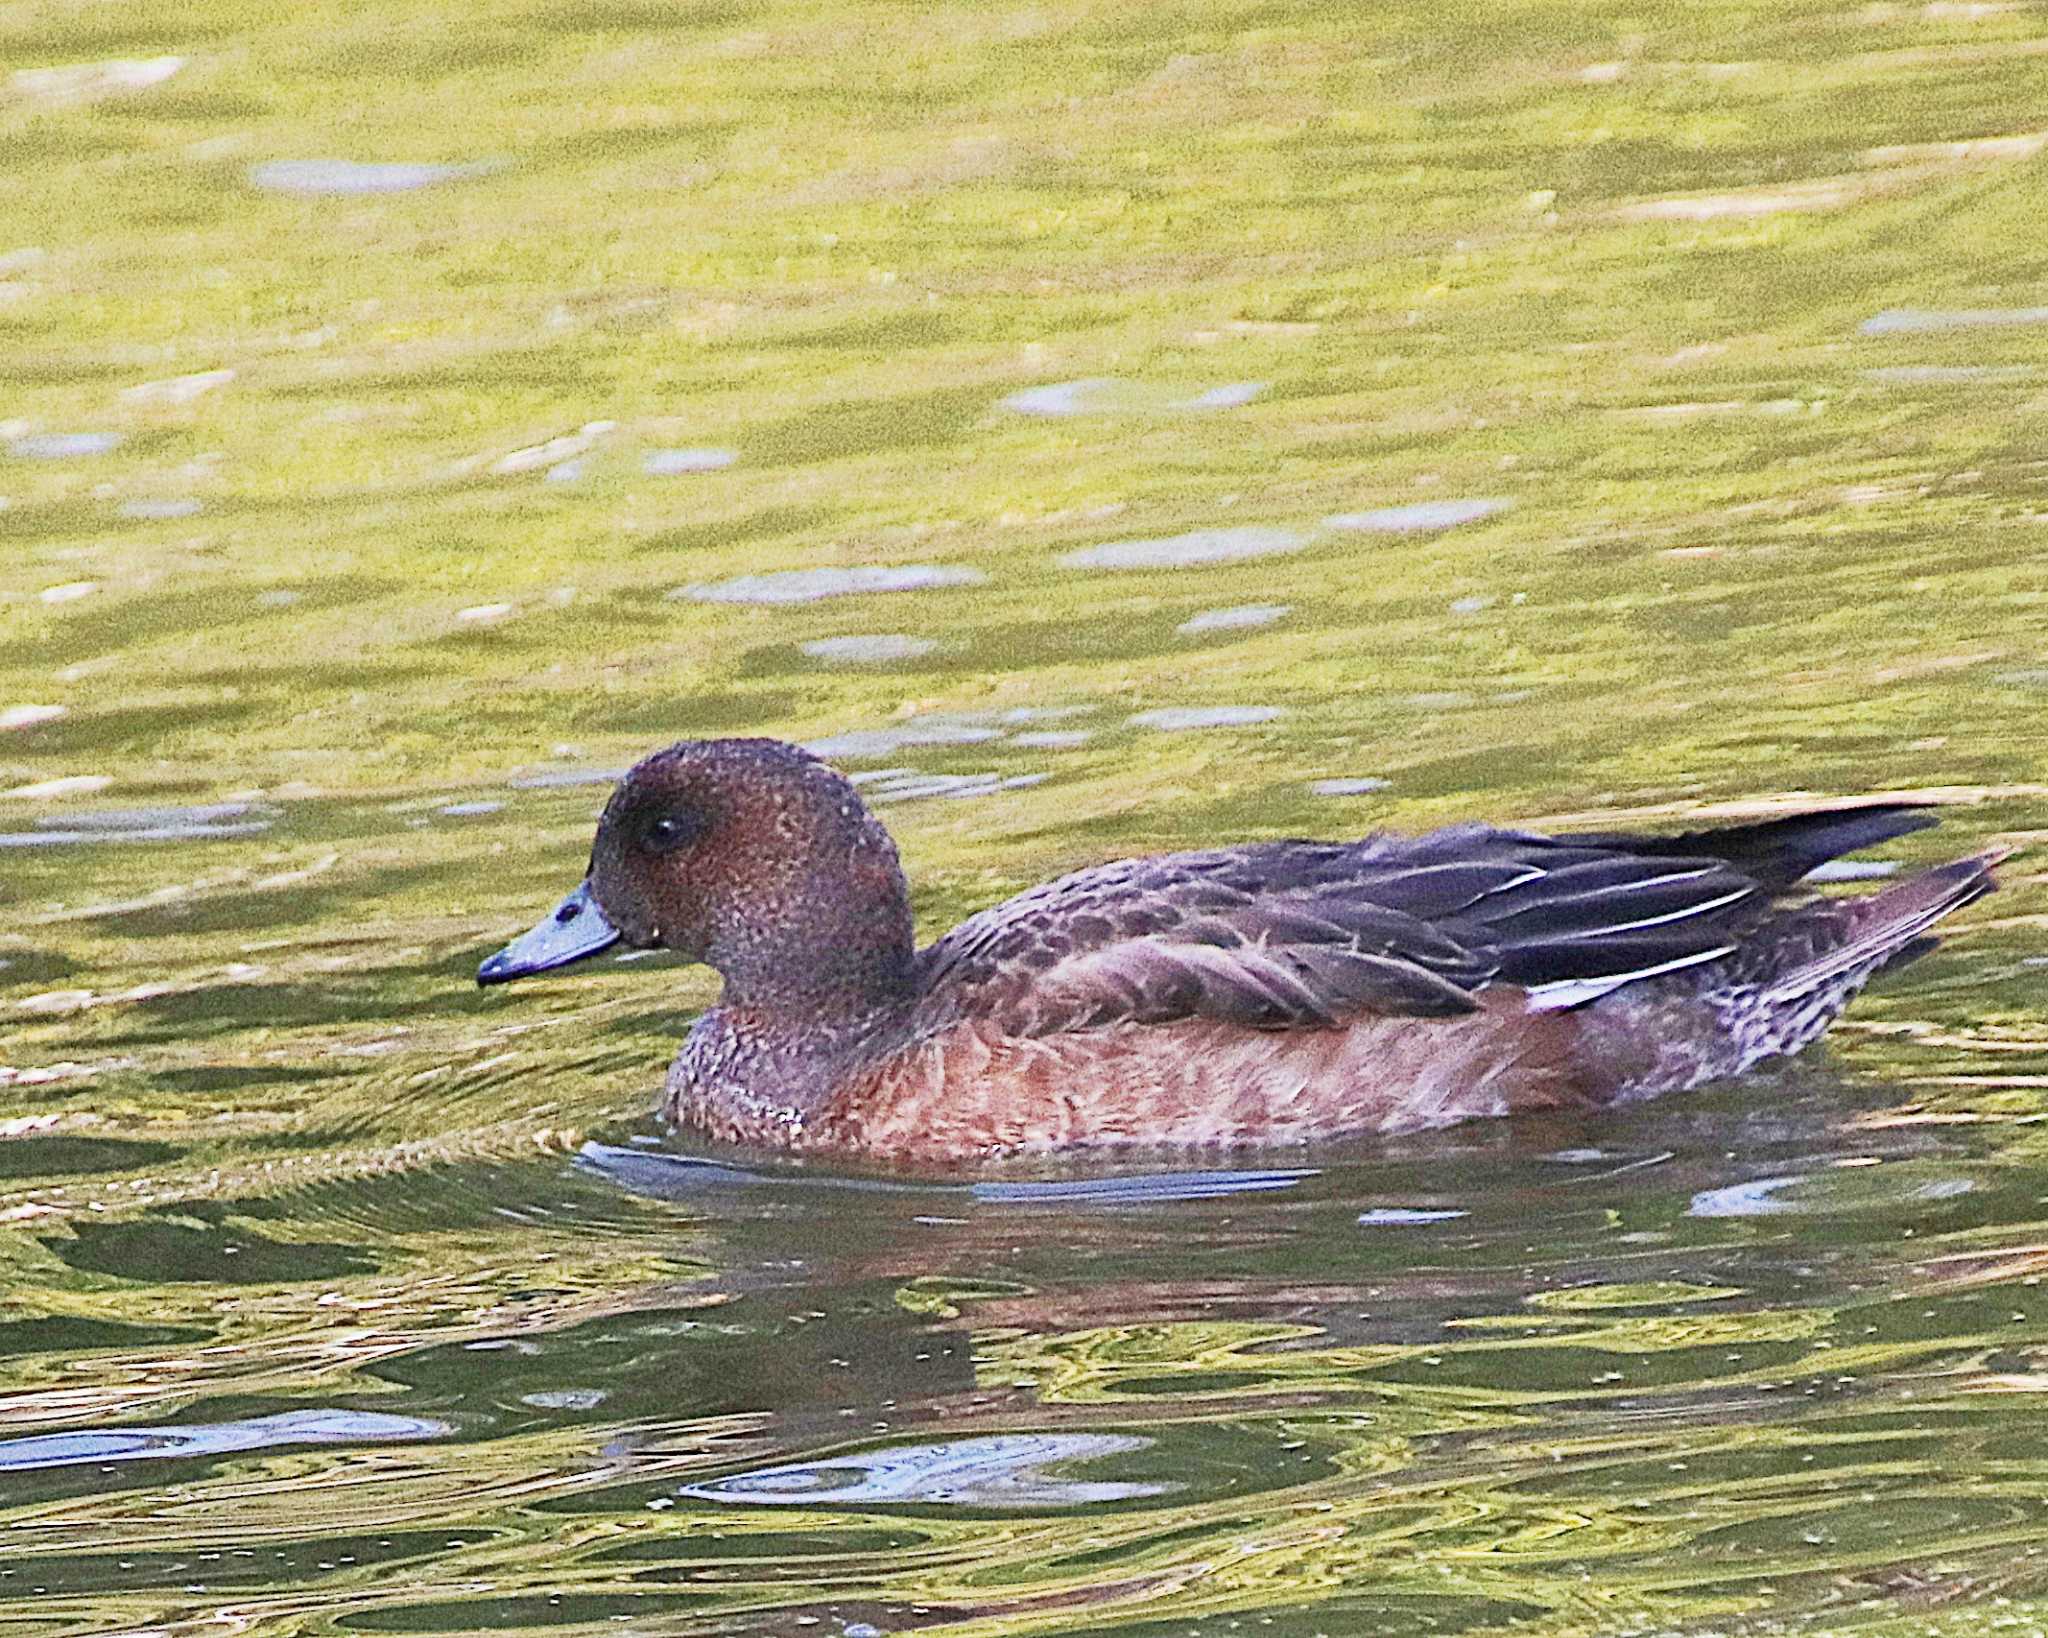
1249 995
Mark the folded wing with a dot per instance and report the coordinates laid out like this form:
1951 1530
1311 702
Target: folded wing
1305 935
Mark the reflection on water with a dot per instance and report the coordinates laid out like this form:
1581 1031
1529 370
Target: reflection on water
1104 396
137 1444
1198 546
1753 1199
62 446
1447 1382
1909 320
878 648
1420 517
1244 617
350 176
1178 718
669 463
194 824
1138 1189
994 1470
1402 1216
817 585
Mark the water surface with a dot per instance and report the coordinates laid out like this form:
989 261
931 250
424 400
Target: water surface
1102 430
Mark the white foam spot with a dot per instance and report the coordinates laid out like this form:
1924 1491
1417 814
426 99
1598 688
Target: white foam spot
669 463
483 614
1402 1216
1177 718
1422 517
1197 546
1362 786
878 649
69 592
160 511
815 585
1242 617
470 810
30 716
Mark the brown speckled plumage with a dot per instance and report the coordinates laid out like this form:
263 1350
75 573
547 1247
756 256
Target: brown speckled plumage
1274 992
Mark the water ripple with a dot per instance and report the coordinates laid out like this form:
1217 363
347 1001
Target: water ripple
298 1427
992 1470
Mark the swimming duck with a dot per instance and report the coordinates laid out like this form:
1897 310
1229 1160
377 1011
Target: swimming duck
1270 992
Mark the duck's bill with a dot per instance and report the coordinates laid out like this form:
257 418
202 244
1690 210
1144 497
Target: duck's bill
574 929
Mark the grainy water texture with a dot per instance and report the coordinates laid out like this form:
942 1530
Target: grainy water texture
1104 427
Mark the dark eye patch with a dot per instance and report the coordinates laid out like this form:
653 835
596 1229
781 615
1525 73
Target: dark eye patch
666 832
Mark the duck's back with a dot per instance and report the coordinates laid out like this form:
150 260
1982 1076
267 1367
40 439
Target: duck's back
1290 990
1279 935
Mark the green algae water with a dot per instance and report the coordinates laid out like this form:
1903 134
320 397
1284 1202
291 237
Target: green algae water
1099 428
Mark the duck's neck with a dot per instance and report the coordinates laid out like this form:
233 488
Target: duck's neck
808 1006
823 945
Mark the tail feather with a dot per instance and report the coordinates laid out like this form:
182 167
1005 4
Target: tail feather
1788 980
1887 928
1906 954
1778 852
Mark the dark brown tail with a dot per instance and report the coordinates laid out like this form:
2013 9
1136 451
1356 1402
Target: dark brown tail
1886 929
1778 852
1785 984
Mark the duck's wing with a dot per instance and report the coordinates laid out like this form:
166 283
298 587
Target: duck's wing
1293 935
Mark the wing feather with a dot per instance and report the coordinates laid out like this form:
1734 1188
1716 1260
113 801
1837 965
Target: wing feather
1308 935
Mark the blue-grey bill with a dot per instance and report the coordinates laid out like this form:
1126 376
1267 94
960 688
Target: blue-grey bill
575 928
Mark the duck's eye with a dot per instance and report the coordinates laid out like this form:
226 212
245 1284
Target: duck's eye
667 831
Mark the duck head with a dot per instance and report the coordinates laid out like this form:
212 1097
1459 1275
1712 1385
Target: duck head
749 855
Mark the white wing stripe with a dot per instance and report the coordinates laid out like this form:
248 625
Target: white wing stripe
1699 909
1572 992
